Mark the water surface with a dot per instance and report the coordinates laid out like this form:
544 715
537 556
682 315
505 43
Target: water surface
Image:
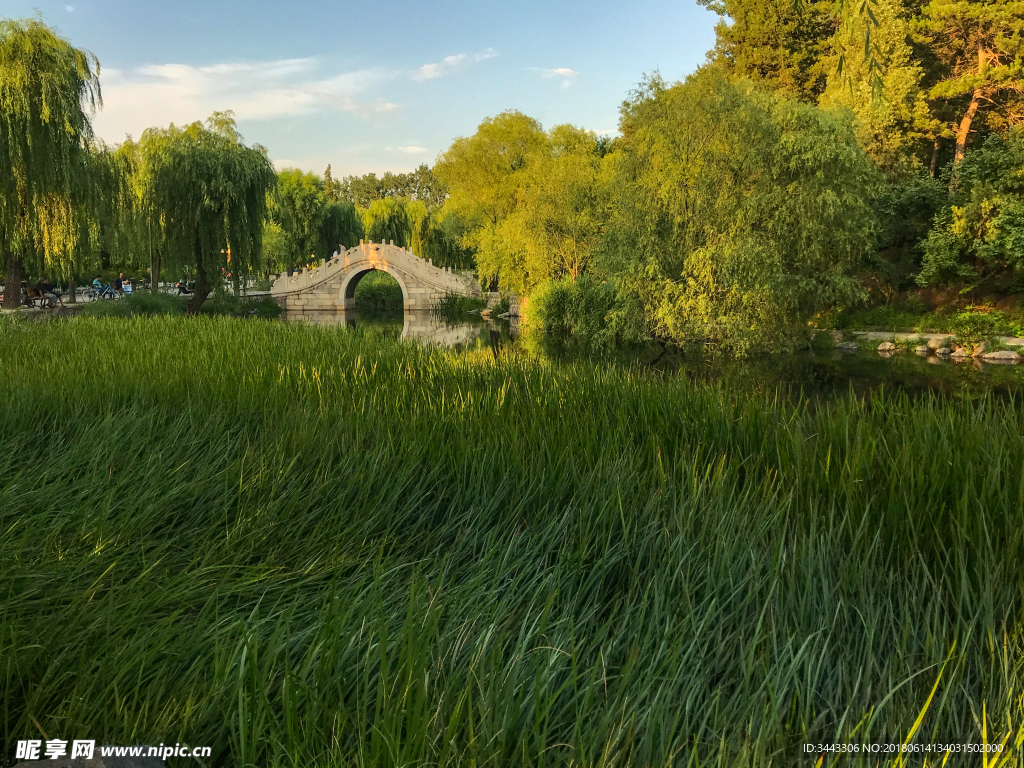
821 375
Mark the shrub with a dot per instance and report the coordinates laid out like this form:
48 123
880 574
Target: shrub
578 309
454 306
229 304
502 306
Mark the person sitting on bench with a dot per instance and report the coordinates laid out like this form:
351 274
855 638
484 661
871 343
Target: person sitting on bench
32 295
50 293
182 289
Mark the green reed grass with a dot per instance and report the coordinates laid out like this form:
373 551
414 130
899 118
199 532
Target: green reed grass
305 546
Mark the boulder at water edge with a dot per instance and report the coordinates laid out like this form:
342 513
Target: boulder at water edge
1002 356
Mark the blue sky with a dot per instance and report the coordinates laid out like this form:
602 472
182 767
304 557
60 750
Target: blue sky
372 86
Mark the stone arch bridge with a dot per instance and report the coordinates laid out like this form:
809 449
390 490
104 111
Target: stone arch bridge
332 285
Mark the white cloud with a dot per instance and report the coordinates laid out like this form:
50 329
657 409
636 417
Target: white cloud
157 95
70 8
449 64
567 75
412 150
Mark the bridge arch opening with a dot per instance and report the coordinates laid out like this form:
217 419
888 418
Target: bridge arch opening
374 291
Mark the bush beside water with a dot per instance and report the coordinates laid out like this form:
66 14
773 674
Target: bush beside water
574 310
454 306
304 546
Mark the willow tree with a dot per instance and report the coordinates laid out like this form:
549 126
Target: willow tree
738 215
387 219
103 210
210 192
485 176
300 207
342 227
48 91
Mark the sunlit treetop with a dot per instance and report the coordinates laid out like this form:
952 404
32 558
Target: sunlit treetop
48 92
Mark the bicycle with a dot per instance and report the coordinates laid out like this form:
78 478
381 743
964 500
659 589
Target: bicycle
106 292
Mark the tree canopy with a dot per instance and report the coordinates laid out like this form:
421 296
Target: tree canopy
777 42
739 214
980 43
980 236
211 193
48 90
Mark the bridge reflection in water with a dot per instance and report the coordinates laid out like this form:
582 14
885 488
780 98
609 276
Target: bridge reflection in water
420 326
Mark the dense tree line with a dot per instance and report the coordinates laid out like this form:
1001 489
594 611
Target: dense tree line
817 159
192 198
313 216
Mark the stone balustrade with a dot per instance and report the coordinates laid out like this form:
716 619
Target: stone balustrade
331 286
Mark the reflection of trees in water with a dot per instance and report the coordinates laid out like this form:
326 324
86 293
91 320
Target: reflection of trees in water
424 327
817 377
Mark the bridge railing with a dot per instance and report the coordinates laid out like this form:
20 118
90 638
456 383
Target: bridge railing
442 278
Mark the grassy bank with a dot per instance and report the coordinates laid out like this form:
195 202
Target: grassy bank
150 304
309 547
974 323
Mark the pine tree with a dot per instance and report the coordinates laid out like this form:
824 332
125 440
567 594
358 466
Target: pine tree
980 43
779 42
894 123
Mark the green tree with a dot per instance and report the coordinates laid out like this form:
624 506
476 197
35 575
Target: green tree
439 237
277 248
342 226
419 185
105 208
332 187
210 191
386 220
980 43
142 222
979 238
301 210
562 212
485 176
779 42
896 124
47 92
740 213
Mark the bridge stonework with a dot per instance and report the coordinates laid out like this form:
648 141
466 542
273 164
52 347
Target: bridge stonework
332 285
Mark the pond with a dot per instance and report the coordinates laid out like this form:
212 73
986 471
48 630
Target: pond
421 327
815 375
865 374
